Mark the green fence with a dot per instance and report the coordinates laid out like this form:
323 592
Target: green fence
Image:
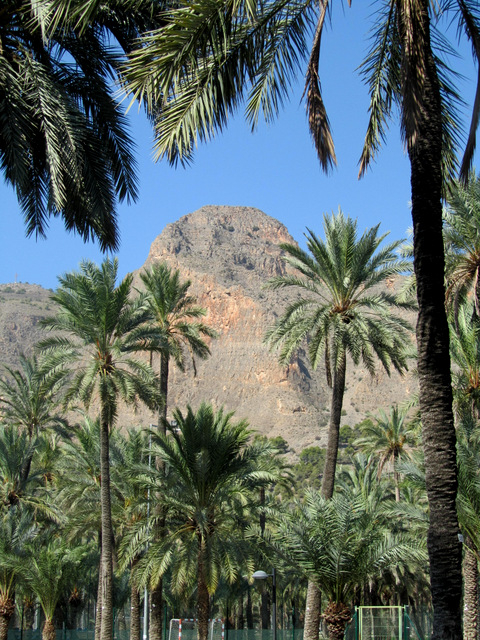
187 634
388 623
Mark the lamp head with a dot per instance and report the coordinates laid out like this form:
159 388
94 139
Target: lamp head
260 575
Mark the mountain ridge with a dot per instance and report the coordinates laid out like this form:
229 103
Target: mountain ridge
229 253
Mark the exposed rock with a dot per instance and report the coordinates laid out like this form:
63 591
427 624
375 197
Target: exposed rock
229 253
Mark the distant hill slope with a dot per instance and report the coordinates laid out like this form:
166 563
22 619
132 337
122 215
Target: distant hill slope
229 253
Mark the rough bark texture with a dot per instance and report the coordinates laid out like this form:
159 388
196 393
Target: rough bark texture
203 601
98 604
338 391
433 350
312 612
135 630
106 624
155 627
48 632
7 609
313 604
249 610
470 609
337 615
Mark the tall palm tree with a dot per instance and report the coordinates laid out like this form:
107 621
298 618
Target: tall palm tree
64 141
342 316
176 327
340 312
176 322
210 493
197 69
98 327
388 438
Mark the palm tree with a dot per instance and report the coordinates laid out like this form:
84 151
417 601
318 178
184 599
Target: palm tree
343 543
64 141
196 70
209 496
339 312
462 242
388 438
18 488
98 328
30 398
176 327
16 530
175 319
51 574
341 316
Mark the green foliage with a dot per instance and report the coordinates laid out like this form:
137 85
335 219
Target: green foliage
210 496
337 309
308 471
174 317
344 542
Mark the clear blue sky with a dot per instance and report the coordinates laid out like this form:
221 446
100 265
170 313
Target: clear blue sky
274 169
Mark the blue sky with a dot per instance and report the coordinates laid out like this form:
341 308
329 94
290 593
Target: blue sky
275 169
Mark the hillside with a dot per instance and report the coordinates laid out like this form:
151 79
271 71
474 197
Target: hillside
229 253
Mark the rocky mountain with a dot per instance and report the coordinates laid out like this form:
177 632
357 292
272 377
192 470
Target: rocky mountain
229 253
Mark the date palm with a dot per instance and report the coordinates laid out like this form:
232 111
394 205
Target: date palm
97 329
341 316
175 318
195 71
340 312
209 496
17 529
19 489
388 437
30 399
51 574
462 242
175 321
64 141
341 544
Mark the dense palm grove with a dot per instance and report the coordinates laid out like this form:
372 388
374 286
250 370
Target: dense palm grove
190 508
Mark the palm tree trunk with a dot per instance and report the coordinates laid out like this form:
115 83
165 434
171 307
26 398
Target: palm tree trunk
98 604
7 609
106 624
249 610
396 477
48 632
203 599
135 632
425 154
470 576
156 595
338 392
312 612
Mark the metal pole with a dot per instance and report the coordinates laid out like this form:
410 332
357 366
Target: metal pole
274 604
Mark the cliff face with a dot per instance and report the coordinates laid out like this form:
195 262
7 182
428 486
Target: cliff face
228 254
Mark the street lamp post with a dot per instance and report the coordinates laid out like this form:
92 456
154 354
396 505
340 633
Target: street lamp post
261 575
